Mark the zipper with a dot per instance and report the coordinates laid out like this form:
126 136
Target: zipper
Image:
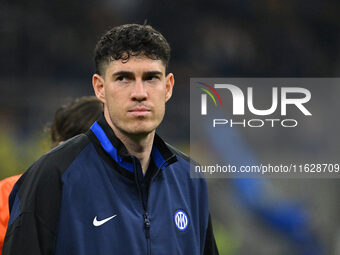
142 199
147 223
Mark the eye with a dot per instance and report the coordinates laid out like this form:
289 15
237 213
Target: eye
152 78
122 78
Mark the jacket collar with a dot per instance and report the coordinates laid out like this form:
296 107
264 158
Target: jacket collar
160 153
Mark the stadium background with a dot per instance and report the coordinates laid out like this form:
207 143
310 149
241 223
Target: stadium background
46 50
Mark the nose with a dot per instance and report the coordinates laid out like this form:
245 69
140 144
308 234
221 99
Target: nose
139 92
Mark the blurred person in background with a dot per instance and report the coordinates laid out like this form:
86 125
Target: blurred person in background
70 120
119 187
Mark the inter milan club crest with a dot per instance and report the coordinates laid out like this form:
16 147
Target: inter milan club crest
181 220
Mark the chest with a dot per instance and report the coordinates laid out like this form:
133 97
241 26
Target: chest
102 211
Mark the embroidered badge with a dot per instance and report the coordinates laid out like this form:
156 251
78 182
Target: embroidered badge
181 220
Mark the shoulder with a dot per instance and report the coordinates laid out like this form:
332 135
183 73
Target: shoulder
60 157
181 155
66 152
39 190
44 175
184 171
186 162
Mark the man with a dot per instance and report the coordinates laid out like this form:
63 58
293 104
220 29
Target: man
70 119
119 189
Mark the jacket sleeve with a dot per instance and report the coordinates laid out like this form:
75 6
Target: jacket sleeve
34 211
210 247
28 235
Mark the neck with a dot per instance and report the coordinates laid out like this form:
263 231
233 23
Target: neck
139 145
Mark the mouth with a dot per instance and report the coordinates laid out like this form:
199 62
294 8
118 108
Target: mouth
139 111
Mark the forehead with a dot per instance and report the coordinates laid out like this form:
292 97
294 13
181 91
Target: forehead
135 64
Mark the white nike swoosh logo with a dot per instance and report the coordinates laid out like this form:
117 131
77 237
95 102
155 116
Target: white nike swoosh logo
98 223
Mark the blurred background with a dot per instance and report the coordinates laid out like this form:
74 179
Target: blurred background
46 50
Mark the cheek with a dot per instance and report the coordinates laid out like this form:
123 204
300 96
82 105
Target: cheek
160 94
115 103
160 107
113 94
159 98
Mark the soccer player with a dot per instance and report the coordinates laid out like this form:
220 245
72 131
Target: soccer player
118 189
70 119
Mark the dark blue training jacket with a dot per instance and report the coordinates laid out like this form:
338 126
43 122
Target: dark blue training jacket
88 196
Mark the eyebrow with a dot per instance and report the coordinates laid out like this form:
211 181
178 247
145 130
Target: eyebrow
128 73
152 73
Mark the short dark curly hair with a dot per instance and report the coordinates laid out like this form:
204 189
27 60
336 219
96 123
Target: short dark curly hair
128 40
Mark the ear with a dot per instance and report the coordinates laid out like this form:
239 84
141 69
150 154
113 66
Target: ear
170 81
98 86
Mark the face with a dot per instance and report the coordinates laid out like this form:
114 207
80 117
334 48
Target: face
134 94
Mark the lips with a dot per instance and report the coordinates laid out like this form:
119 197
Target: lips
140 111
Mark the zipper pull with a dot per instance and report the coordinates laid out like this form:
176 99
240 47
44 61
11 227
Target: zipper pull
147 225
